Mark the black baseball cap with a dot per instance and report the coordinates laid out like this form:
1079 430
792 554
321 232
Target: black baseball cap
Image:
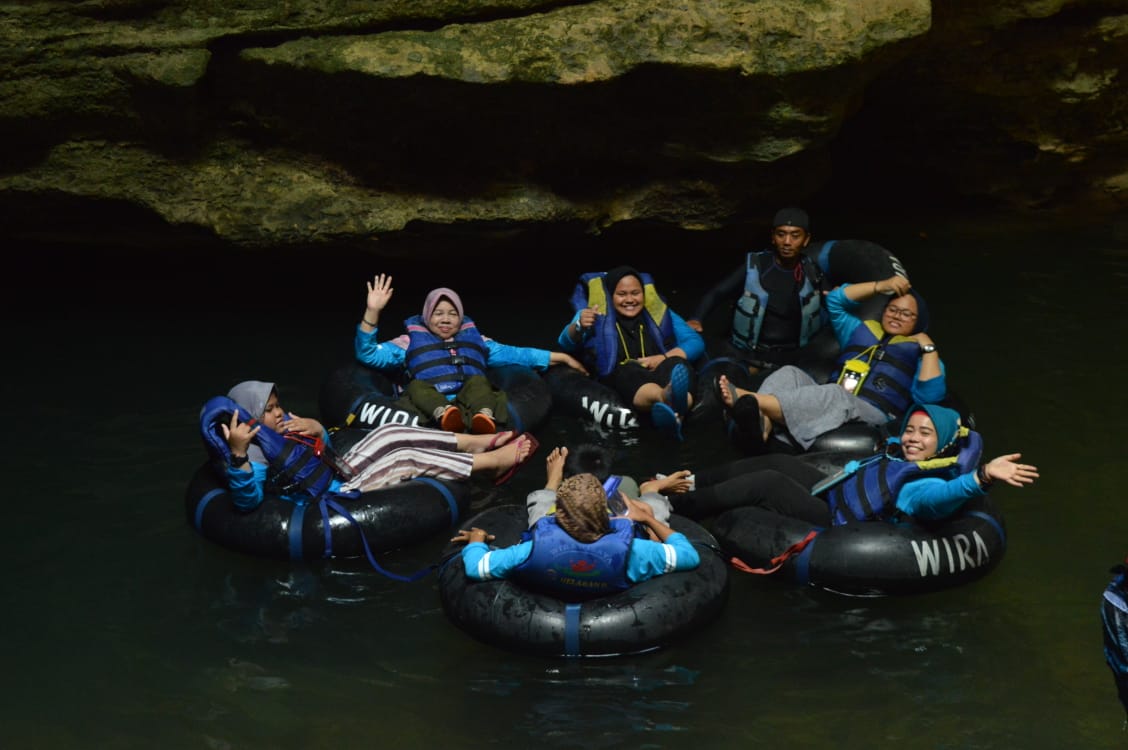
792 217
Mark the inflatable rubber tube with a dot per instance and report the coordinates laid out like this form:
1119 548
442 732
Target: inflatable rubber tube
648 616
581 397
874 558
387 519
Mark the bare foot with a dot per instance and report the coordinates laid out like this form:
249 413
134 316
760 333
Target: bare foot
508 457
730 393
674 484
554 465
482 443
726 394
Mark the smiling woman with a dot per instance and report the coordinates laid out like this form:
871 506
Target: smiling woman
635 345
911 518
884 366
444 361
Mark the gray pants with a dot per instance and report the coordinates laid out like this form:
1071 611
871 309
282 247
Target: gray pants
811 408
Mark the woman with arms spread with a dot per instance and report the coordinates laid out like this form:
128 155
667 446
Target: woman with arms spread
928 474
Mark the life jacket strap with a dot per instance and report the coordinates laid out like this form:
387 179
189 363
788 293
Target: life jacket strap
776 562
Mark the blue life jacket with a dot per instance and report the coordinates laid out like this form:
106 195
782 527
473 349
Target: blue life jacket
572 570
294 466
445 364
601 348
1114 624
748 317
893 362
868 490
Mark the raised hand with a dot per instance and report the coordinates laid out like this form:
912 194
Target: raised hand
379 294
239 434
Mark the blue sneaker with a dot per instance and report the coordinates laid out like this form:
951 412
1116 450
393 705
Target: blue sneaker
666 419
679 389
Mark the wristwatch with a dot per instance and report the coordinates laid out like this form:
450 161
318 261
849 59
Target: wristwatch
237 461
928 348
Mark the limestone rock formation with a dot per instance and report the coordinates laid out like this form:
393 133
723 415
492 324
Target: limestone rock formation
292 122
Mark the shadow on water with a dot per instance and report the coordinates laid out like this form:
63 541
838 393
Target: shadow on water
127 629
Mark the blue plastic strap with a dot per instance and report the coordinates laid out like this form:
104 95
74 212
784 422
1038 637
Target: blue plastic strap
572 630
327 529
200 506
803 563
995 524
325 501
445 492
297 516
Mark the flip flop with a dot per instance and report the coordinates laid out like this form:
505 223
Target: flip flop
497 436
513 469
666 419
747 427
679 389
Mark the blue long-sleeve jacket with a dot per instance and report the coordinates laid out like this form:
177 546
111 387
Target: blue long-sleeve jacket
843 320
647 558
932 498
391 355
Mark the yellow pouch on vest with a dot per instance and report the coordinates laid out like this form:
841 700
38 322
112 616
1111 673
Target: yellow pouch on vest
853 374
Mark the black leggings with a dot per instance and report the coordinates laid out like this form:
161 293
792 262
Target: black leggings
777 482
626 379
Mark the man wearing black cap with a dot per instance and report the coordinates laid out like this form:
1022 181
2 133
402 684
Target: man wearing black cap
778 297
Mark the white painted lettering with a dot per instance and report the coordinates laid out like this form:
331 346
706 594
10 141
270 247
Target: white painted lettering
608 416
958 550
373 414
963 544
982 555
927 556
369 413
948 550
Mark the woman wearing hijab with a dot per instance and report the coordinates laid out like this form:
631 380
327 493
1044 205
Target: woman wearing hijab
446 357
597 460
633 342
385 456
581 535
885 365
922 475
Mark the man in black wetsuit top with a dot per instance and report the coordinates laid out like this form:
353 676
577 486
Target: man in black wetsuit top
776 298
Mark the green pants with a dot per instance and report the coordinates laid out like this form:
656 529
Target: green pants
477 393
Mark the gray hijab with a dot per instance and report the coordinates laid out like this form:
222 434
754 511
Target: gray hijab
252 395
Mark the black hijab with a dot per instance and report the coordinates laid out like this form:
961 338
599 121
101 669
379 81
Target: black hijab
612 278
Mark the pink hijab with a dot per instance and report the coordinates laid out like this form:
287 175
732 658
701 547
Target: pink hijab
433 298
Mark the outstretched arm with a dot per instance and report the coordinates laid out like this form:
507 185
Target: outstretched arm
562 358
1006 469
379 294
